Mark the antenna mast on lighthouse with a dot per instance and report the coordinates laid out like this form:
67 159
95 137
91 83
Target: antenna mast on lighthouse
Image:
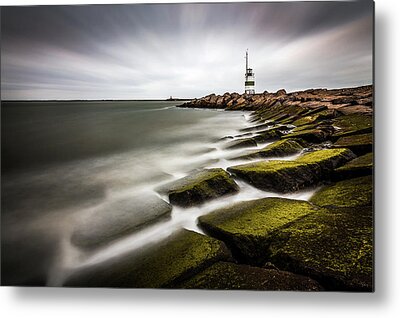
249 83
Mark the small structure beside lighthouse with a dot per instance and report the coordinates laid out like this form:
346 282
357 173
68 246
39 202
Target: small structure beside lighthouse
249 84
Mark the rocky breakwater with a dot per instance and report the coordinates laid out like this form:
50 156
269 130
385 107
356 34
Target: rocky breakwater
319 140
346 101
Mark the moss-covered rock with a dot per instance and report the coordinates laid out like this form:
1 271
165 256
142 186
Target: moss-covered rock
333 246
310 119
241 143
286 176
268 135
247 227
324 124
228 276
164 264
346 193
311 135
280 148
339 134
353 124
200 186
359 144
119 218
358 167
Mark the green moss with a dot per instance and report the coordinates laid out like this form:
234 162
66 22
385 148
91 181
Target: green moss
277 149
161 265
347 193
285 176
353 122
247 226
228 276
325 156
309 127
359 144
310 135
307 120
333 246
201 186
339 134
358 167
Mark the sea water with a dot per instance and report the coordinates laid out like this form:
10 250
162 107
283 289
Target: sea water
63 160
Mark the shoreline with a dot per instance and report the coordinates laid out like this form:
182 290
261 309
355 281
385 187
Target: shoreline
282 203
334 146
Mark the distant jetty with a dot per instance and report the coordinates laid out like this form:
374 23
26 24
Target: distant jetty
174 99
345 100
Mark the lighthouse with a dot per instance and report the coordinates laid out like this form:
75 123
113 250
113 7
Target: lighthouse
249 83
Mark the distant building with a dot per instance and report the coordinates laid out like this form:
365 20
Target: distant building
249 84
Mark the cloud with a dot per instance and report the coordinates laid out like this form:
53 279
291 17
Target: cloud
190 50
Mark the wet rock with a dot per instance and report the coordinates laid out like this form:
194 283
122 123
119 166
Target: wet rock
359 144
353 124
119 218
243 135
347 193
360 166
287 176
257 127
333 246
311 135
162 265
344 100
361 131
280 148
241 143
355 109
230 276
268 135
247 227
310 119
199 187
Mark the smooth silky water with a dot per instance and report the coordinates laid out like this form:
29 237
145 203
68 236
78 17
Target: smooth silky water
64 160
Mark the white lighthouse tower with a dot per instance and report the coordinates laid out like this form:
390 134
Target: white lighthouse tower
249 83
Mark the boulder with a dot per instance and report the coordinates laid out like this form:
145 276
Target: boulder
247 227
340 134
359 144
360 166
324 124
333 246
346 193
280 148
287 176
230 276
310 119
268 135
241 143
118 218
280 92
162 265
353 124
311 135
355 109
199 187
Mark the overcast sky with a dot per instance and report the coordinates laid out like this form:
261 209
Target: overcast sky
183 50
